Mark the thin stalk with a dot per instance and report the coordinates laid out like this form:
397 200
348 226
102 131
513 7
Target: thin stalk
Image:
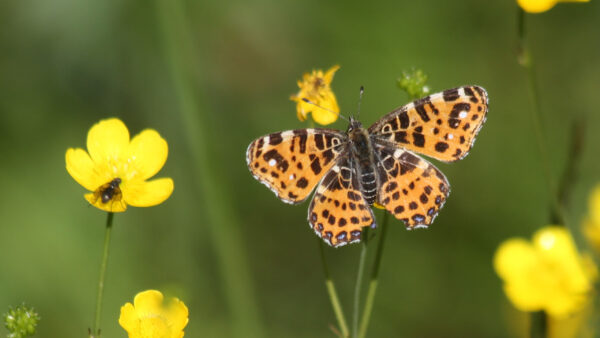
374 280
359 278
539 325
96 327
333 297
219 215
526 60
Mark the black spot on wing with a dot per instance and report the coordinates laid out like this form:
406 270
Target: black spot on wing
441 147
404 121
275 139
450 94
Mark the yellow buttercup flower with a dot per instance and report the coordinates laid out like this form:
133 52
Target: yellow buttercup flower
545 274
316 88
115 169
591 223
538 6
147 317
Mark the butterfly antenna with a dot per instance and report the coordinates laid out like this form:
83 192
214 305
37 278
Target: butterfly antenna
360 95
327 109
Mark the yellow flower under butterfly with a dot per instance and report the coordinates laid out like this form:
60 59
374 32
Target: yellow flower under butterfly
116 169
539 6
316 88
148 317
545 274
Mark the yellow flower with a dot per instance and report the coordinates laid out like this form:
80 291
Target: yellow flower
538 6
316 88
545 274
116 169
591 223
147 317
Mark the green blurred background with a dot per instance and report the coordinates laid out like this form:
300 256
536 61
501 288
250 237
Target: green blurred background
213 76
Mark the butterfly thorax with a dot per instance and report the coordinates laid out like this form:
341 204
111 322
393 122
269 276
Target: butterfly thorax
361 151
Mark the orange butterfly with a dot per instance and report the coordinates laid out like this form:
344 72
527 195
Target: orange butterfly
361 166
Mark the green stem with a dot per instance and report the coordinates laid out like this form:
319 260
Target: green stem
96 327
526 60
359 279
539 325
333 297
366 316
219 216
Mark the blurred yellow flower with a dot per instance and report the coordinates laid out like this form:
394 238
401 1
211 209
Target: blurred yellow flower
538 6
147 317
116 169
316 88
545 274
591 223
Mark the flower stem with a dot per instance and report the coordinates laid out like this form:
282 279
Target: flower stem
359 279
538 327
335 302
96 327
219 216
366 316
526 60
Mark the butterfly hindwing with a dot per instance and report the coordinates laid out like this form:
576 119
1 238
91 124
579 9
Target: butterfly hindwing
292 162
412 189
442 125
338 211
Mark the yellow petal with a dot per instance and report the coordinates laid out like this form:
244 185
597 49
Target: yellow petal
536 6
147 194
148 302
107 141
129 319
81 167
330 73
300 105
110 206
512 257
147 153
177 314
326 114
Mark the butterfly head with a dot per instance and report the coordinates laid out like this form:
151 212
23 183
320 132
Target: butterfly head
354 124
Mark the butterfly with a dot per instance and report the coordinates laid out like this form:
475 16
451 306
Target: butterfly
352 170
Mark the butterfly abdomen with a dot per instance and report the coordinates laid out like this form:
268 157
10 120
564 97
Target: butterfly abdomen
365 163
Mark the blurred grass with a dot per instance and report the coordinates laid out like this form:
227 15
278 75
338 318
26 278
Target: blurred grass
67 65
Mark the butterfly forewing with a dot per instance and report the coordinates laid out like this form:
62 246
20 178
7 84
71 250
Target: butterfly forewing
442 125
412 189
291 163
338 210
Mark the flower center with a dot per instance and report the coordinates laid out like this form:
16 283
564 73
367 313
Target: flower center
318 83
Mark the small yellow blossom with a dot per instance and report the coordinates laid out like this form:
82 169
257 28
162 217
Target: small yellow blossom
545 274
315 87
538 6
591 223
147 317
115 168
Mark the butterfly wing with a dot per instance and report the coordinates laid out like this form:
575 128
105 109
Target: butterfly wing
412 189
442 125
338 211
291 163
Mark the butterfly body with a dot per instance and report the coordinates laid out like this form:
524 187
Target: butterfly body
352 170
363 159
